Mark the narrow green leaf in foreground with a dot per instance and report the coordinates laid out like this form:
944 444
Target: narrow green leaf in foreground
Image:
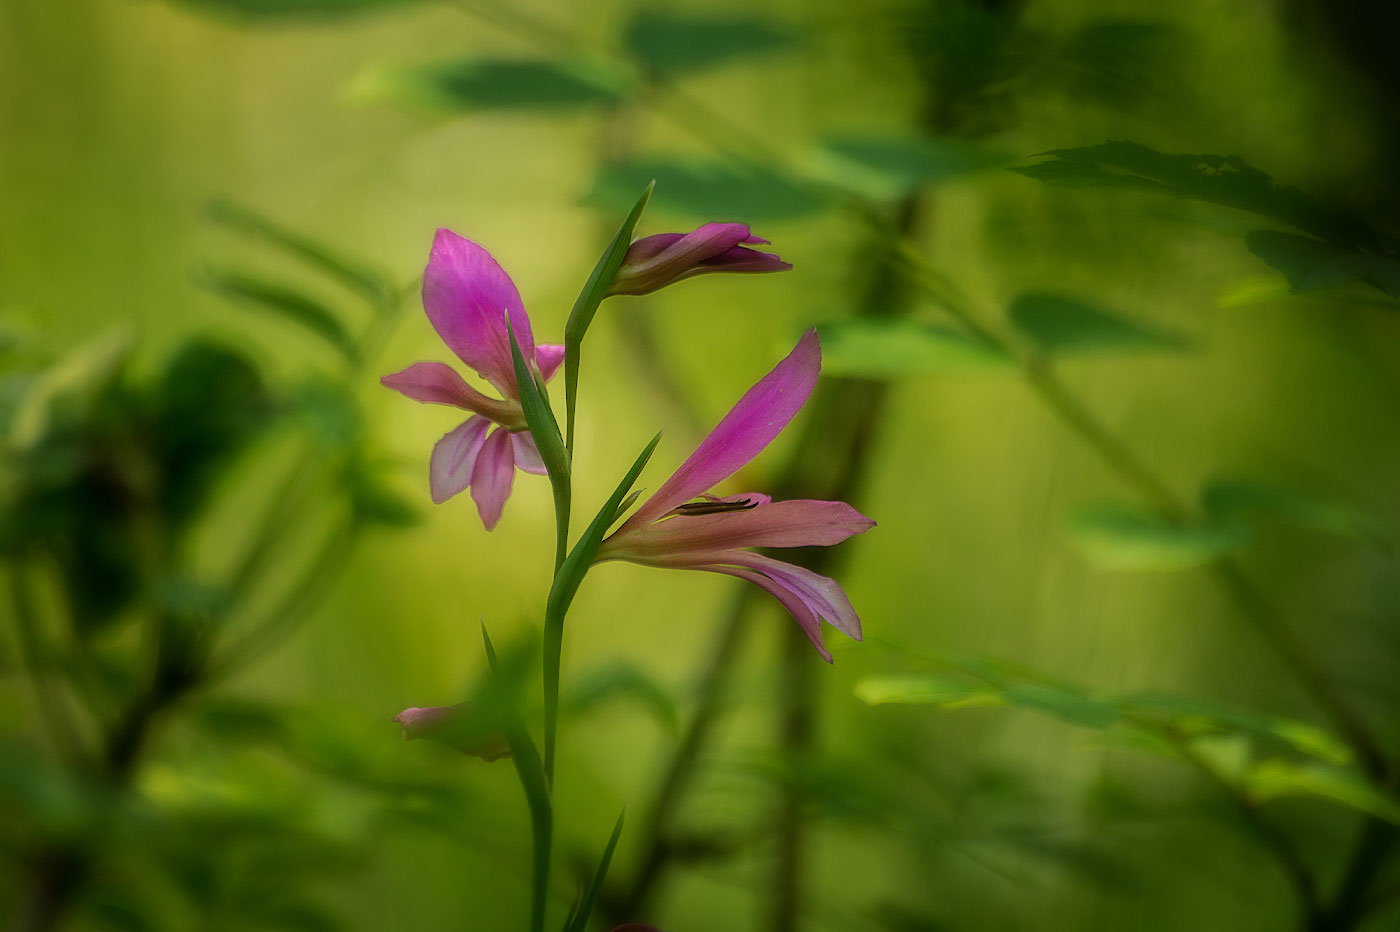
1060 326
1121 537
286 302
594 291
579 921
561 594
539 417
885 349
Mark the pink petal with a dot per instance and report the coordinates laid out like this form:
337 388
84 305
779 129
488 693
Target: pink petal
796 523
492 477
759 416
527 455
454 458
467 295
439 384
791 600
548 357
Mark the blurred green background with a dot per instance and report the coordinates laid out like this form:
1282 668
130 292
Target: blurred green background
282 797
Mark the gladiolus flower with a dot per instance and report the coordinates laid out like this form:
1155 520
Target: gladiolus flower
654 262
445 723
673 529
467 296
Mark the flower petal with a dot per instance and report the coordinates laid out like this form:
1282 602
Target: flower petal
759 416
454 458
797 606
492 477
795 523
467 295
439 384
527 455
548 356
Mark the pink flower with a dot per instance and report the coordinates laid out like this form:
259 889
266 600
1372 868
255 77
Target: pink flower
445 723
713 534
467 296
654 262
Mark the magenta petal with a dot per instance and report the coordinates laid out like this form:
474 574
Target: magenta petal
548 356
794 523
527 455
492 477
823 594
439 384
797 606
467 295
454 458
759 416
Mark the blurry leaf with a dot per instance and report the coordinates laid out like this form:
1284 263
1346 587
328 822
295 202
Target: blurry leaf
1274 778
592 295
1252 291
1191 716
493 84
349 272
1066 705
1243 498
675 43
287 302
705 190
375 502
886 167
240 720
927 689
1121 537
330 413
73 387
1064 326
1310 264
208 404
1225 180
1119 63
270 10
880 349
1225 754
620 680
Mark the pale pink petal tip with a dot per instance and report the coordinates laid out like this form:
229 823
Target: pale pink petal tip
493 476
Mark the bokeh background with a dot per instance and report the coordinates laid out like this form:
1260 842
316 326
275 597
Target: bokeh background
214 217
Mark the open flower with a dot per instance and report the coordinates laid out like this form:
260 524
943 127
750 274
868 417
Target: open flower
673 529
654 262
467 296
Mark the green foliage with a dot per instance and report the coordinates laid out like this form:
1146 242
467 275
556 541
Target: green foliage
886 167
578 920
676 43
621 680
1060 326
467 84
586 305
261 11
705 190
287 302
1312 265
1230 499
886 349
1115 536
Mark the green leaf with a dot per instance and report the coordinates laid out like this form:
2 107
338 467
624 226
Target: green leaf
1119 63
533 781
493 84
886 167
578 922
565 586
586 305
706 189
375 501
621 680
1225 180
1274 778
1067 705
349 272
539 417
1243 498
271 10
1311 264
675 44
927 689
288 303
883 349
1121 537
1063 326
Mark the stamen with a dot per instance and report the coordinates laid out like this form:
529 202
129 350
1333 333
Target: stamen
694 509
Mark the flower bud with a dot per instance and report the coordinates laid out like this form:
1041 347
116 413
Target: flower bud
654 262
453 726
